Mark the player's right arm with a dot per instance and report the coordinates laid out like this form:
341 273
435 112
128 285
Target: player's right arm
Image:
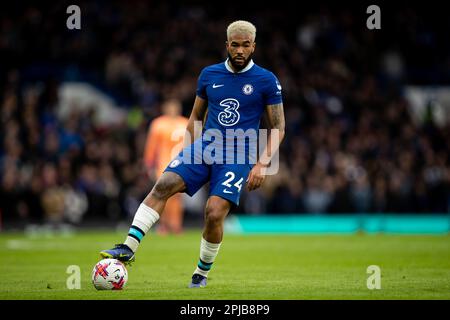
195 123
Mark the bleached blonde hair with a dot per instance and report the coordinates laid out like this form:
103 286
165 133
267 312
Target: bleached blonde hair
241 26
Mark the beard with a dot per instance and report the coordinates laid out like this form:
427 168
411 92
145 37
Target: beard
239 67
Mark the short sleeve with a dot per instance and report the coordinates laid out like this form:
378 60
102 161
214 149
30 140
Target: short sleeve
272 92
201 85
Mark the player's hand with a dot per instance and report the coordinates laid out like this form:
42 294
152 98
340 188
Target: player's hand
256 177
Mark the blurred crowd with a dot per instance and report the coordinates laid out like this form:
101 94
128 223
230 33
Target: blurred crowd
352 144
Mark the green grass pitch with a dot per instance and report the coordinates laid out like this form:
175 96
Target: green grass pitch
287 267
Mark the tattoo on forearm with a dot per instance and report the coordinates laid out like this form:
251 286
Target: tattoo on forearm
276 115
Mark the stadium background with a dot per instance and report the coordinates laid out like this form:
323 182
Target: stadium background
358 140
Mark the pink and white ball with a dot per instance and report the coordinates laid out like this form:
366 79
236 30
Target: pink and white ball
109 274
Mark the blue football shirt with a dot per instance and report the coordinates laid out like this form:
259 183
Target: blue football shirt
237 100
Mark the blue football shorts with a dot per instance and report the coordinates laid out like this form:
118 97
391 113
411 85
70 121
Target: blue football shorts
227 180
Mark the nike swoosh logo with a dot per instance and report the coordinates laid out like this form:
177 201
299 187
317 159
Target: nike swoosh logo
217 85
227 191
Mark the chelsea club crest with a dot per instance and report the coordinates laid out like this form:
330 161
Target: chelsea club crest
247 89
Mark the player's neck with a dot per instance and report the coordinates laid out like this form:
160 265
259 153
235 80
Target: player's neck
232 67
234 70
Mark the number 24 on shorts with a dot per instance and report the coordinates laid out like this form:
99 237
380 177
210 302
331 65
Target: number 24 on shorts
227 183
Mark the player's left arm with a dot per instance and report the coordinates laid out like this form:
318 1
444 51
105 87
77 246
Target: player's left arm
275 116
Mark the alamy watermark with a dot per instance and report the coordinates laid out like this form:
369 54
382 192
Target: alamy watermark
374 20
74 20
234 146
74 279
374 280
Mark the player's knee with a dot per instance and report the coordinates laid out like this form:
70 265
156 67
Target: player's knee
213 218
215 214
161 190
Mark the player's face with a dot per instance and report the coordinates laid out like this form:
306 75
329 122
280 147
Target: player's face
240 48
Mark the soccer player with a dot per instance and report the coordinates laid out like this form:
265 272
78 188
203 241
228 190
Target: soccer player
231 95
160 144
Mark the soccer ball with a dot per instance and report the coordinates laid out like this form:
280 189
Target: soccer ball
109 274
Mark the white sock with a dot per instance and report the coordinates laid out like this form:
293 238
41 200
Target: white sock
144 219
208 252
